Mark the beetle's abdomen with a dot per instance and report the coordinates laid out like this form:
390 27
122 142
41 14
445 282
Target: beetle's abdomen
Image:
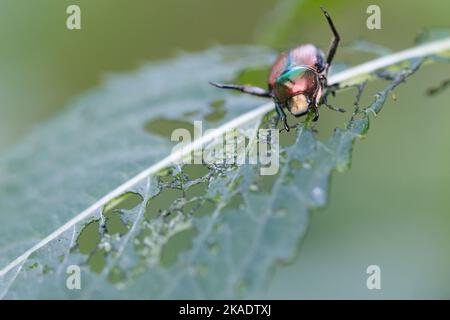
307 55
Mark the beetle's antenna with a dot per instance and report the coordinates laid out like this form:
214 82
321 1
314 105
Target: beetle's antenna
335 42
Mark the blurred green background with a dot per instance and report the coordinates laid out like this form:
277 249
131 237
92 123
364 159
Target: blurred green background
391 209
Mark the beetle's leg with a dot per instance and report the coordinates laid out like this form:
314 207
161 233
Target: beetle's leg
329 106
334 42
316 113
335 87
276 119
282 116
332 88
279 114
325 102
323 80
256 91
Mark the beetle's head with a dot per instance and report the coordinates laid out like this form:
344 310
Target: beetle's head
299 104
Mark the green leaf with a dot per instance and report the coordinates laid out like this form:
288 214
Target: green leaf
211 230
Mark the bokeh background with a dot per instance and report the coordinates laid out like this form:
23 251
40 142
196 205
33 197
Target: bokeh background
391 209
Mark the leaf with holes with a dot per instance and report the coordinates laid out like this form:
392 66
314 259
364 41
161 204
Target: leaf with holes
170 230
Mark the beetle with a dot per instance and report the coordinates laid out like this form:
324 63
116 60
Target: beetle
297 80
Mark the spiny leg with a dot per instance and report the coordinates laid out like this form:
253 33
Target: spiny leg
333 108
282 116
256 91
334 42
335 87
316 113
329 89
329 106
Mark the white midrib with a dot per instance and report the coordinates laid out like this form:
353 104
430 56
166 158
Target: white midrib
362 69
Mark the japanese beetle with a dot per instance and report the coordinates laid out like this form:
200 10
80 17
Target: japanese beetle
297 79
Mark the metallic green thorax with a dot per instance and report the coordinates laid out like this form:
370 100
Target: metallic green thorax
290 73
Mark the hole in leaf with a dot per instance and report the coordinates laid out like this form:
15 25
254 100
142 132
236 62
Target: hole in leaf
218 112
192 205
176 244
196 190
167 176
161 202
206 208
114 223
199 208
97 260
195 171
126 201
164 127
89 237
